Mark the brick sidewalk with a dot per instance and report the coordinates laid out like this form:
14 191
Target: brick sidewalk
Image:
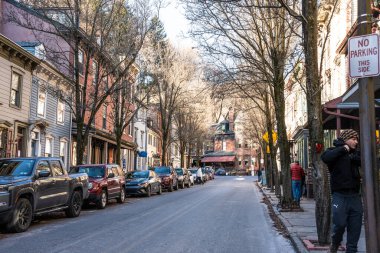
301 225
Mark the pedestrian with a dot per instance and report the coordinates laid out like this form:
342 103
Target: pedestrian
297 173
259 173
343 162
199 176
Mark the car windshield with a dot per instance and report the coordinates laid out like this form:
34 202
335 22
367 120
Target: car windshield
138 174
162 170
91 171
16 168
179 172
194 171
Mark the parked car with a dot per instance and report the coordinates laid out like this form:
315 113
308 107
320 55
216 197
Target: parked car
168 175
143 182
210 173
31 186
183 178
220 172
107 181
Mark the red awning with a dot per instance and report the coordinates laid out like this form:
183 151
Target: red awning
218 159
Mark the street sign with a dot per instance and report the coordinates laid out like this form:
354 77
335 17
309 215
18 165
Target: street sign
266 137
363 53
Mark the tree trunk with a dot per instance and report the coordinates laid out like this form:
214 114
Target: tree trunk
118 150
279 104
313 94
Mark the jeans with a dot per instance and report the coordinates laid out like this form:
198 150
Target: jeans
296 190
347 211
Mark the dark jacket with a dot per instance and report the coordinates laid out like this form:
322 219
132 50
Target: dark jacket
343 167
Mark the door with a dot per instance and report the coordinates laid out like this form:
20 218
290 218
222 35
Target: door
46 191
62 183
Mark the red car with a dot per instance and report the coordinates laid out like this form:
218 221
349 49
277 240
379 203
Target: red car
169 178
106 181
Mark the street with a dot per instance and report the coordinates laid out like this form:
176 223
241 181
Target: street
223 215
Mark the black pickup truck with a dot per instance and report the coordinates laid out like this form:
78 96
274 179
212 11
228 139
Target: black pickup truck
30 186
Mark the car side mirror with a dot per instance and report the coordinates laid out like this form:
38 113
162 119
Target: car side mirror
111 175
44 173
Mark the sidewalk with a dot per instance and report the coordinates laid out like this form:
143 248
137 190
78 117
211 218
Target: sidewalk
301 225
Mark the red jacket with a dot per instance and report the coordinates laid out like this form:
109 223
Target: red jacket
296 171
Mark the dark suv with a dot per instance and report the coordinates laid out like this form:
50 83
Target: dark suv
183 178
168 175
31 186
107 181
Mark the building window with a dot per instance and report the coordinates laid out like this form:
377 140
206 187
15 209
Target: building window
246 145
63 151
35 144
61 112
150 139
104 117
41 107
49 147
142 138
130 129
95 71
16 89
224 147
80 61
239 145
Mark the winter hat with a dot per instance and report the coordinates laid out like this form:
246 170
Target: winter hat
348 134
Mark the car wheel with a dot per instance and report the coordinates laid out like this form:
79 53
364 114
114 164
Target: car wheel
148 191
101 204
22 216
121 199
159 190
170 189
75 205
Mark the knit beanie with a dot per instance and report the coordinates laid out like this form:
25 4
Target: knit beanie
348 134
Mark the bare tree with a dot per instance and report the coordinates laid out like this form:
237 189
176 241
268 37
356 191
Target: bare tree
94 43
254 42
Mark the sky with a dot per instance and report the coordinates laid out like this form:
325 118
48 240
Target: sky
176 25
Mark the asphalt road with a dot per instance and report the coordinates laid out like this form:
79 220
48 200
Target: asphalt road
224 215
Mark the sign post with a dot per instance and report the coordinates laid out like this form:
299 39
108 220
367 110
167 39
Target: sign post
364 63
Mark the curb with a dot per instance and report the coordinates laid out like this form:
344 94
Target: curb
295 240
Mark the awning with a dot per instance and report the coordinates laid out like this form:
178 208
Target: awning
218 159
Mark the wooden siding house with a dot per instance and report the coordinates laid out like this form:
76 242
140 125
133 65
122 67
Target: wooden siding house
16 67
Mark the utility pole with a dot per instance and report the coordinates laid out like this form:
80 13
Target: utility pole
371 194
